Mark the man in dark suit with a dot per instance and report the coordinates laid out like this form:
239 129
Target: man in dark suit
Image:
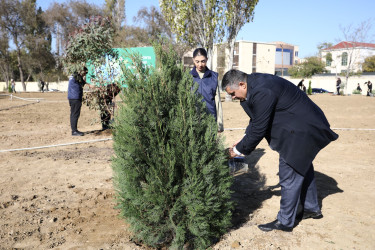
294 126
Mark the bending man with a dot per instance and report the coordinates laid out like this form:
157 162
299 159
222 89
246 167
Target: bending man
294 126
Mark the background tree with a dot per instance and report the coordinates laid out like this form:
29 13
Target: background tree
323 45
171 173
151 27
197 22
158 29
5 59
154 23
369 64
13 13
25 26
64 18
312 65
354 35
38 58
237 14
329 59
92 44
115 9
131 36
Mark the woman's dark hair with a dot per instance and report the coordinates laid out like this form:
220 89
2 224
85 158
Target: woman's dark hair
200 52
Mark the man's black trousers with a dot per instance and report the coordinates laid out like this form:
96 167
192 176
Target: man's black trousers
296 189
75 111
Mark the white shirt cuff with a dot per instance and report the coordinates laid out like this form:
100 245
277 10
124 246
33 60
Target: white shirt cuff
236 151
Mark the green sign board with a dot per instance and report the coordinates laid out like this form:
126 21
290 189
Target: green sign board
110 71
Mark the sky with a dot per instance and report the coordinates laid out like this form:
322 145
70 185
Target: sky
304 23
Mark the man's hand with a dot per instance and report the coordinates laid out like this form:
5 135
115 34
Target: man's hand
230 153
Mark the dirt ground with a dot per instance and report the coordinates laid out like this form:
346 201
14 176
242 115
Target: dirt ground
62 197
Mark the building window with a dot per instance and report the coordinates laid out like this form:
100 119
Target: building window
188 62
296 54
328 59
254 48
344 59
236 49
235 60
254 60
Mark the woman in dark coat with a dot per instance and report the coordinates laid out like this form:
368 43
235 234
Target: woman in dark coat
207 85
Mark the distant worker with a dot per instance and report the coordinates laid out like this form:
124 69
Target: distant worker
338 85
75 93
369 88
13 84
42 83
300 84
359 88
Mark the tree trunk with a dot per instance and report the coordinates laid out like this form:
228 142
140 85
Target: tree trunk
21 72
209 60
19 62
228 98
58 39
230 55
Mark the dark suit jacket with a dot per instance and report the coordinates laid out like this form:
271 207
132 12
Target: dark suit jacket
293 125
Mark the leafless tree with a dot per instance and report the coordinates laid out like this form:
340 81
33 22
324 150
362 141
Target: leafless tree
353 36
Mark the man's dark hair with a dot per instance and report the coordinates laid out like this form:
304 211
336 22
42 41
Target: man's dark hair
200 52
232 78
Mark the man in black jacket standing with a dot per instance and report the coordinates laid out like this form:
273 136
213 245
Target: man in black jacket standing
294 126
75 93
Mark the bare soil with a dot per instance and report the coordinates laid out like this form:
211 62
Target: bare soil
62 197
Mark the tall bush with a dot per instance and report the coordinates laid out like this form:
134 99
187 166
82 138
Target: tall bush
92 44
170 169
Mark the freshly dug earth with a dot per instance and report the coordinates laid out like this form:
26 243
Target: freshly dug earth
63 197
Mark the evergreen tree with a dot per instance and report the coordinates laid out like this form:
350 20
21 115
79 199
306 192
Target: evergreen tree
171 174
309 90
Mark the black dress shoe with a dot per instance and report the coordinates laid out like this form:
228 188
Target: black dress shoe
275 225
77 133
314 215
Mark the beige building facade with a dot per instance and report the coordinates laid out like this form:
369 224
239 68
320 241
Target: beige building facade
251 57
260 57
248 57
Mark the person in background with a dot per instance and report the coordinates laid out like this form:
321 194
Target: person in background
13 84
369 88
294 126
300 85
42 83
359 88
207 85
75 93
338 85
